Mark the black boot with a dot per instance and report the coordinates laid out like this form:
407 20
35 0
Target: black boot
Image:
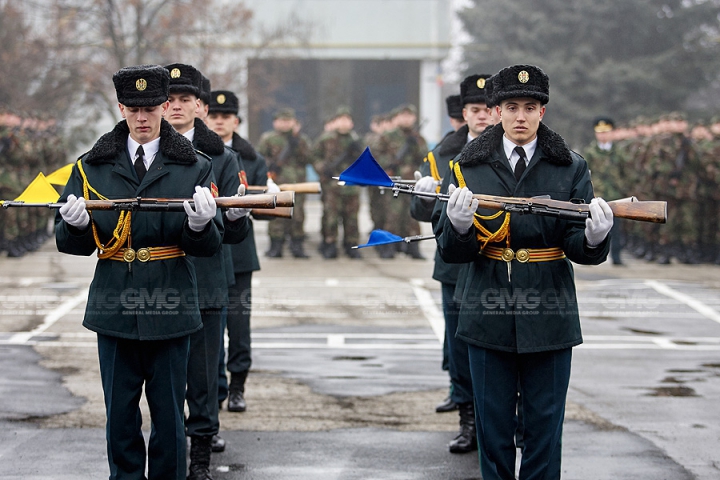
446 405
352 253
413 251
329 250
218 444
236 394
200 451
276 248
466 440
297 249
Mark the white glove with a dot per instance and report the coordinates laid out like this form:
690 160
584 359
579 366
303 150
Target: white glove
461 208
600 222
205 209
424 184
237 213
272 187
75 213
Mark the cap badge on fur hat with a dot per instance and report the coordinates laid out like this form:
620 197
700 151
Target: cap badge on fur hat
175 73
141 84
481 83
523 76
221 99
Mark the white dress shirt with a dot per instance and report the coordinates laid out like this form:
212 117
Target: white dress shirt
150 149
512 155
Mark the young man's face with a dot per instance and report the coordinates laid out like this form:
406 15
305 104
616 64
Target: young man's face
183 109
520 118
224 124
477 116
144 122
604 137
405 120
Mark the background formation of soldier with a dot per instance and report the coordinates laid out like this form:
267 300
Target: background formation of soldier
28 146
661 159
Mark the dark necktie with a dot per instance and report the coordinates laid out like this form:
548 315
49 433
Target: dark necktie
520 165
140 163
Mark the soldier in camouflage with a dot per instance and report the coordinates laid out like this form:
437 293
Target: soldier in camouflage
334 151
399 152
287 153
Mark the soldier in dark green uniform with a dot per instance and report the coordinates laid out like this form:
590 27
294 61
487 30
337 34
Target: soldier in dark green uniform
436 168
608 172
399 152
519 308
143 299
334 151
287 153
202 423
224 120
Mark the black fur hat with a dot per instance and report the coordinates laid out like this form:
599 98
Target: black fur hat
454 107
205 90
224 101
184 79
472 89
521 81
489 98
141 85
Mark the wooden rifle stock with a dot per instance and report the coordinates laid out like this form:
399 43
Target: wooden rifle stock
304 187
277 212
264 201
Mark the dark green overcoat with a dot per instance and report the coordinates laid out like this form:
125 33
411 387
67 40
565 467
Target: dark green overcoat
537 310
422 210
244 254
155 300
215 274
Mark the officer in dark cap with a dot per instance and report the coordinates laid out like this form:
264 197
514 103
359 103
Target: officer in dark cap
224 119
608 172
519 340
214 273
140 302
436 169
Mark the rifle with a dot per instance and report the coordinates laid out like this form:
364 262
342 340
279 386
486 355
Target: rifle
629 208
303 187
261 202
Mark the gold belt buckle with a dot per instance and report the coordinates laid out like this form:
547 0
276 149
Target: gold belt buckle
508 254
522 255
129 255
143 254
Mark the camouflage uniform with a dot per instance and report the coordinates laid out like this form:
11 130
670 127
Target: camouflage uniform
671 168
333 153
607 171
378 198
635 158
707 153
287 155
399 153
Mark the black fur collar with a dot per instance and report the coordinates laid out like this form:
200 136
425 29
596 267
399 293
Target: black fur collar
454 143
206 140
481 149
173 146
243 147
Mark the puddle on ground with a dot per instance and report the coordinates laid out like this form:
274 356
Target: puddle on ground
679 391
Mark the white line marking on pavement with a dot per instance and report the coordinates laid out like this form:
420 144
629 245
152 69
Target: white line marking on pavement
335 340
59 312
691 302
429 308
